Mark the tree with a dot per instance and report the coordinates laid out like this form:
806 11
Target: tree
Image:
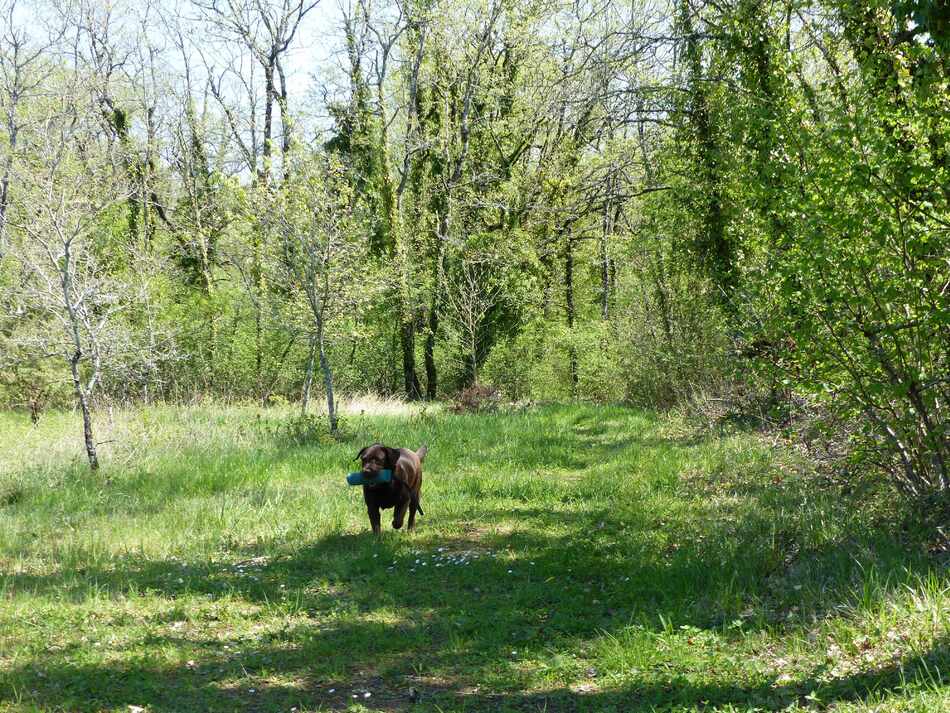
373 116
472 298
66 194
319 255
21 76
265 30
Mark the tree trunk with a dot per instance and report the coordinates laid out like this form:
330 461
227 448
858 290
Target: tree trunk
473 346
133 171
149 196
269 96
82 394
81 397
605 262
327 379
410 379
435 307
258 317
569 307
663 300
285 128
547 288
432 374
714 249
407 332
12 130
265 176
308 380
212 315
391 200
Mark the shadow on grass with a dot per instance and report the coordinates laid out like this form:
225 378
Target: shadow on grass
352 614
221 683
339 619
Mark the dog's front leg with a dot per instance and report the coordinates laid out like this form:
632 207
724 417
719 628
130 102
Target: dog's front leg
373 511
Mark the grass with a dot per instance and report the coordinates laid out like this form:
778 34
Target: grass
571 558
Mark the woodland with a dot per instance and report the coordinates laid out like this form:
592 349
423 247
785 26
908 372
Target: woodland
735 208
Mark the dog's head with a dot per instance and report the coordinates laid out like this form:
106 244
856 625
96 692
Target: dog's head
377 457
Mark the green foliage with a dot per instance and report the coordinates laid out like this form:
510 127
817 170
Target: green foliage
834 183
857 284
548 202
513 365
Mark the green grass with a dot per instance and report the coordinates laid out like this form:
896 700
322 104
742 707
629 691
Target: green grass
571 558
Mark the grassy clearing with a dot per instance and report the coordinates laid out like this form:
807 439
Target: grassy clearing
571 558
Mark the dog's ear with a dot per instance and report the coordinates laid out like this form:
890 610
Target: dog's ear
392 455
359 456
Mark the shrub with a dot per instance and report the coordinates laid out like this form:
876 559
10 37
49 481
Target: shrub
477 398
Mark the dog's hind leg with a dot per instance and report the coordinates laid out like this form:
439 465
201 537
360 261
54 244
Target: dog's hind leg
400 514
412 514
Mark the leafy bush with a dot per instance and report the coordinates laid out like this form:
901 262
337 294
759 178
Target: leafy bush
853 302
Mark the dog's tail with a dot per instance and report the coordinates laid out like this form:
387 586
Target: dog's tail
422 452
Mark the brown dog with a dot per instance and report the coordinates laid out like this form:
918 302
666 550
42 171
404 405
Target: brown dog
402 492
